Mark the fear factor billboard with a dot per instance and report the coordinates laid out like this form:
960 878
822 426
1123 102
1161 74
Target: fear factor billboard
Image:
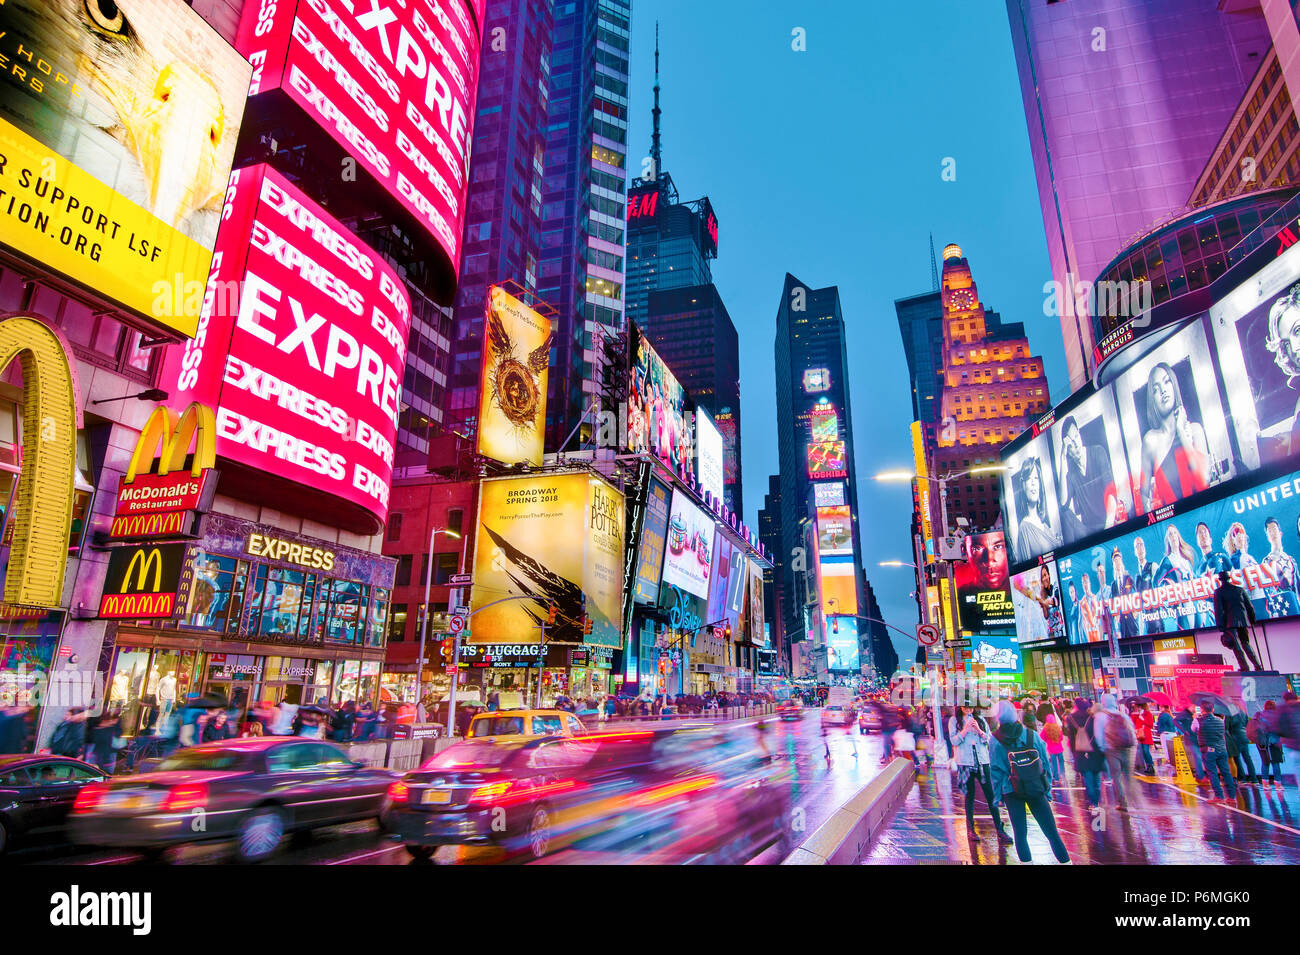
118 134
512 398
304 365
983 583
548 539
393 83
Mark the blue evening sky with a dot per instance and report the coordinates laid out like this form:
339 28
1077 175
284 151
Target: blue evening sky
826 164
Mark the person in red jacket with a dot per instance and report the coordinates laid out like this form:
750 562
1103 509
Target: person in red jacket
1144 725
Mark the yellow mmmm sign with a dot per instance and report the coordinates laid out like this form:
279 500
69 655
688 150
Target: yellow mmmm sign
51 419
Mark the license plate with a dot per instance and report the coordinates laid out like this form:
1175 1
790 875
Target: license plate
125 801
439 797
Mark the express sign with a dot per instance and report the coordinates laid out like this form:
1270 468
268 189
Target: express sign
393 83
301 346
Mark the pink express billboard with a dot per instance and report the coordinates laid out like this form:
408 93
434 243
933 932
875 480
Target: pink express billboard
301 345
392 81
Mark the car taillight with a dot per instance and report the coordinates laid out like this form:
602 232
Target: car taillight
399 792
185 798
493 793
90 797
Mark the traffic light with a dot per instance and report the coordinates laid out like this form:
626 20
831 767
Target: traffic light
835 624
551 610
727 632
586 624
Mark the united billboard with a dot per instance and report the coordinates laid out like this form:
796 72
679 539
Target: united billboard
512 389
392 83
118 133
305 364
548 539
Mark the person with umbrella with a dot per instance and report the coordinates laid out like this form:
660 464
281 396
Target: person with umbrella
1144 725
1213 738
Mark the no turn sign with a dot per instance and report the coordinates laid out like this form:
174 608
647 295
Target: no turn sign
455 623
927 634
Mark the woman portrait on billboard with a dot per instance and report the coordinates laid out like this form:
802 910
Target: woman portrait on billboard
1283 343
1034 535
1047 601
1175 454
1175 568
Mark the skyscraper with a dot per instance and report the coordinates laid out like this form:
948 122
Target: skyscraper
1124 101
819 500
775 594
580 272
920 320
992 389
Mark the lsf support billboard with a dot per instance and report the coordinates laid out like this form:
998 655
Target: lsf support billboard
117 138
512 396
392 83
551 539
304 364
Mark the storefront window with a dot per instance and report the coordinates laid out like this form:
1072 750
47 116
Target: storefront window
282 603
345 688
319 690
149 687
369 680
217 594
345 621
375 632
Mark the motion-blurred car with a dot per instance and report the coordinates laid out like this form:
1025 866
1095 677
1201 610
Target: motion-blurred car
36 795
250 790
791 709
524 723
837 714
689 791
870 719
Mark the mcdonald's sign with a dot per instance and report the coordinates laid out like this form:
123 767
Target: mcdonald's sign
161 501
142 581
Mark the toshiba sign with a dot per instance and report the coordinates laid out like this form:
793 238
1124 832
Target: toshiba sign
391 81
301 345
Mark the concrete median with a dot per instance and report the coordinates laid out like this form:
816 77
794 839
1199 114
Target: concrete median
847 836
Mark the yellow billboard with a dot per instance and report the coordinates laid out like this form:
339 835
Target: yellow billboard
542 540
923 490
512 393
118 135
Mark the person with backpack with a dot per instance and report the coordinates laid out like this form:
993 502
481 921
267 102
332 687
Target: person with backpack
1269 744
1115 736
1022 779
1239 748
1088 761
1213 737
970 747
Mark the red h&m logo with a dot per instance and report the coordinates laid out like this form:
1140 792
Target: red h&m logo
642 206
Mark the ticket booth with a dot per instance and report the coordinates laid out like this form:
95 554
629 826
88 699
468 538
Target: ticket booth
1181 681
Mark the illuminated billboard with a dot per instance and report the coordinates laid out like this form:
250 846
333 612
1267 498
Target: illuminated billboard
816 380
842 654
394 87
828 494
834 530
650 559
827 460
657 406
823 423
688 559
305 368
1162 578
118 133
836 569
555 539
725 421
1036 602
708 445
721 584
983 583
512 387
996 652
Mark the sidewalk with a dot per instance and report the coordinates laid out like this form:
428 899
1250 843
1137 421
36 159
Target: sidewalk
1170 825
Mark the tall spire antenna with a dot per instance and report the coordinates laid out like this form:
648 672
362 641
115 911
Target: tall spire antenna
934 266
654 136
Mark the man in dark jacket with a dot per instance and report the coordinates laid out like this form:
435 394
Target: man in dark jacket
1234 615
1239 748
1213 737
1184 721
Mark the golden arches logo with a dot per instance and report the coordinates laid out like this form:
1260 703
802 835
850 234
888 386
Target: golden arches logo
51 418
171 435
153 558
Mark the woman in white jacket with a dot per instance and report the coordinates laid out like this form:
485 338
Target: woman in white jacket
970 742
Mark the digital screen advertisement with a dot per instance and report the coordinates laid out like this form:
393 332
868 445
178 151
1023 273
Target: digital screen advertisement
118 140
1162 578
828 494
395 88
1036 601
650 560
983 583
996 652
304 366
816 380
842 652
708 445
835 566
823 423
657 406
688 554
512 396
557 539
827 460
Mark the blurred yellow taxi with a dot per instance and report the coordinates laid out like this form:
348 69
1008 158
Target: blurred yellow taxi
524 723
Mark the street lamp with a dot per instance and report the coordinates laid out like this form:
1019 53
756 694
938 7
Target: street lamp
424 628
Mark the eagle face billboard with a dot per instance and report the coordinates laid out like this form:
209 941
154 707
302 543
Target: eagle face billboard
119 129
548 539
304 364
512 396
